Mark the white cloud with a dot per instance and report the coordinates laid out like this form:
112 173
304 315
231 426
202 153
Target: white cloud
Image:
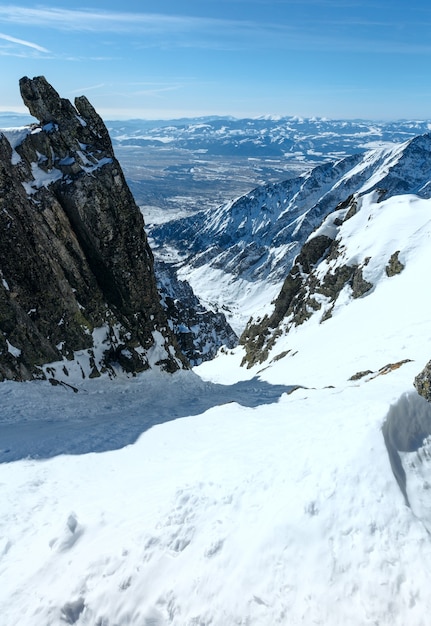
23 42
102 21
90 88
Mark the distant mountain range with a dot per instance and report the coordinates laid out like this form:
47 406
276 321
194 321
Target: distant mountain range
315 139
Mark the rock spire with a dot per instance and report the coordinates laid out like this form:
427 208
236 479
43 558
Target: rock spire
77 284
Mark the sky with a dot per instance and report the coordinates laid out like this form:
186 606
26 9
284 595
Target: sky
162 59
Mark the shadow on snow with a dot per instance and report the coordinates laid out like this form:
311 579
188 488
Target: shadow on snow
40 422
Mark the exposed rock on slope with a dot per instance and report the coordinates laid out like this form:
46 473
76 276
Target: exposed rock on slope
77 282
423 382
199 331
346 258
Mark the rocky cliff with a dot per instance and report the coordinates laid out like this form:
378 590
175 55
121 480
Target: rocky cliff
77 284
200 332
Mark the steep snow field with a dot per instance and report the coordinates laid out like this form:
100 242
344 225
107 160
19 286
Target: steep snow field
259 503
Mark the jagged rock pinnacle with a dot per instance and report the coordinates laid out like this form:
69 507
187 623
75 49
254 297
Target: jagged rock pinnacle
43 101
76 271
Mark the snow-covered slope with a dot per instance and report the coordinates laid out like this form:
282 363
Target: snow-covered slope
358 249
231 254
387 242
251 508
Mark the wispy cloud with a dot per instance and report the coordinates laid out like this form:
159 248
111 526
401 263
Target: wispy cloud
156 91
101 20
329 33
161 30
150 24
91 88
130 91
23 42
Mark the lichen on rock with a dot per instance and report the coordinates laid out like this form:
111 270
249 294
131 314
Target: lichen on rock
394 265
422 382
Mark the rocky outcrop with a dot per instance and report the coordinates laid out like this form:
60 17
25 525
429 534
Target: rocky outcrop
305 290
77 283
394 265
199 331
422 382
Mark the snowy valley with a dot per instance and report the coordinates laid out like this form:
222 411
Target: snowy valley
284 481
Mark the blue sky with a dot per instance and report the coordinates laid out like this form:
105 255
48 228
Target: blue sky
172 58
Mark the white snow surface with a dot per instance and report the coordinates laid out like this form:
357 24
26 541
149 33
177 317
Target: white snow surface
254 503
237 298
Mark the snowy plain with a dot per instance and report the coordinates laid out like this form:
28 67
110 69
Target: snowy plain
233 496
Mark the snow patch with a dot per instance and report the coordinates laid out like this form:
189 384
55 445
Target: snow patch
41 178
15 352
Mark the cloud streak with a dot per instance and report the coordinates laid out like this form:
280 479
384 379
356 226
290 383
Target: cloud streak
90 88
179 31
23 42
104 21
159 30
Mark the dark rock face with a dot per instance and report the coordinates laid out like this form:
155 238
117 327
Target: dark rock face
199 331
76 271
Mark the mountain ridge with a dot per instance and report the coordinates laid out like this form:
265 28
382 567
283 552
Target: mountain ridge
255 239
294 491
